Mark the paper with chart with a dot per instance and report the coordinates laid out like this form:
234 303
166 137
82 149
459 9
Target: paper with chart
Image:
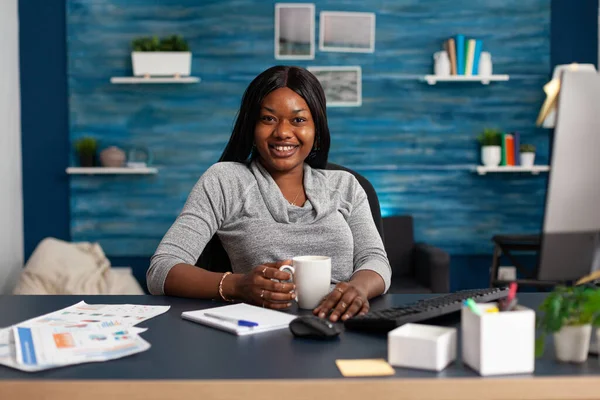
80 319
44 345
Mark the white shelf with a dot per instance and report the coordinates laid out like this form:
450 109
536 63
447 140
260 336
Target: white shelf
153 79
111 171
485 80
536 169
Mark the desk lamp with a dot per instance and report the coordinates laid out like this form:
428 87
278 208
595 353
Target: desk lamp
547 115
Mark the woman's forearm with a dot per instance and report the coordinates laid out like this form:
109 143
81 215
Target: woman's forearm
370 282
185 280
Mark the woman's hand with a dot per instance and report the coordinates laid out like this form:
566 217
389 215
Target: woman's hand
345 300
256 287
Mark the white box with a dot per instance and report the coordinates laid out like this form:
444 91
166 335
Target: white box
498 343
422 346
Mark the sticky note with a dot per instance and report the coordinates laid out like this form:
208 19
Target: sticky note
368 367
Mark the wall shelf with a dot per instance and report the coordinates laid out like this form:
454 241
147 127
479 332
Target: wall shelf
111 171
154 79
535 170
485 80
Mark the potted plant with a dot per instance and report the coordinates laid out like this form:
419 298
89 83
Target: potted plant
169 56
86 148
491 150
568 314
527 153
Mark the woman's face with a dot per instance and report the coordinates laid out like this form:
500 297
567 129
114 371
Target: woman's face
285 131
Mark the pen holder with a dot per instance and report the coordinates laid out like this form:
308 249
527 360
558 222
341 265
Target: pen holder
498 343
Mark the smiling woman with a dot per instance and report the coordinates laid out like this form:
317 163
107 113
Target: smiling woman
269 199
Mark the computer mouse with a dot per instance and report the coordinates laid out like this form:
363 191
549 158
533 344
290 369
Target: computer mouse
311 326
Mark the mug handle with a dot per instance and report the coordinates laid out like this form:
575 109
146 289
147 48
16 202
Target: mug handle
290 270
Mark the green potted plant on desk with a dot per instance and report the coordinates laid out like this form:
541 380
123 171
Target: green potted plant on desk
86 148
491 150
527 154
169 56
568 313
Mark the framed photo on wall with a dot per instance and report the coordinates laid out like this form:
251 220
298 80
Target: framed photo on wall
294 31
352 32
342 85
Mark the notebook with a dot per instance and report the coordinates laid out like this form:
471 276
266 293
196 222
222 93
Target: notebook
267 320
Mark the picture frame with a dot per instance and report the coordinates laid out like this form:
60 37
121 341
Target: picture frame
294 31
342 85
352 32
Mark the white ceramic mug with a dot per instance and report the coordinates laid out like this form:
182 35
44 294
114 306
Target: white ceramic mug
312 277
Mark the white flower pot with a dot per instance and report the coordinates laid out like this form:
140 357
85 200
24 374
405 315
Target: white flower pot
527 159
161 63
572 343
491 155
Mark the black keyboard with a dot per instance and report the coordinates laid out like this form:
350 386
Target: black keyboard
390 318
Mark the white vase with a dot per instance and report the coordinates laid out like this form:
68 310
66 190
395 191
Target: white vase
491 155
161 63
527 159
572 343
485 64
441 66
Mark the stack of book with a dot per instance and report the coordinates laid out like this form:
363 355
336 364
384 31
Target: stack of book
463 54
510 149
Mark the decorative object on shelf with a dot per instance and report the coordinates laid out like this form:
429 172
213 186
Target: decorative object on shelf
527 154
86 148
294 31
139 157
112 157
491 150
169 56
485 64
468 63
568 314
441 66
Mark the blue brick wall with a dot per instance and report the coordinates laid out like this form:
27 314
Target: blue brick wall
415 142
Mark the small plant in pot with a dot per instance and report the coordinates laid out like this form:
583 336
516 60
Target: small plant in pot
568 314
169 56
86 148
491 150
527 154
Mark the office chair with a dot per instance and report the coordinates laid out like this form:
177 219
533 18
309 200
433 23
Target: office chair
416 267
214 257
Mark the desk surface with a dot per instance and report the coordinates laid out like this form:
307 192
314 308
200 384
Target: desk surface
204 357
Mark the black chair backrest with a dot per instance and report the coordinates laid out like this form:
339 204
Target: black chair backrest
214 257
399 243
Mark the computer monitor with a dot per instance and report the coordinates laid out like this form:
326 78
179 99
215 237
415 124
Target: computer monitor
570 241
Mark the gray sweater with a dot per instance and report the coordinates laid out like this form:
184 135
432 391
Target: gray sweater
256 224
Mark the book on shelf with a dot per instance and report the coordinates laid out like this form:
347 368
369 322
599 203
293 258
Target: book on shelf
517 141
510 155
464 54
450 46
460 54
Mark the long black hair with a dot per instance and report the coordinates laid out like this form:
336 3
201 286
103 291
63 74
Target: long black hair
240 149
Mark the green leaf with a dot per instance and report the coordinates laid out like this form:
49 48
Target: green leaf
540 343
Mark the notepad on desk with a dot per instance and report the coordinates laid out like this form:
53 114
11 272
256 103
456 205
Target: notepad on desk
226 318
